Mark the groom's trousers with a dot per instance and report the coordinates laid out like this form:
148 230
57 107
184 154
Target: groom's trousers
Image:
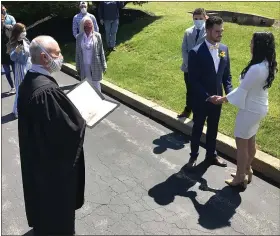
211 114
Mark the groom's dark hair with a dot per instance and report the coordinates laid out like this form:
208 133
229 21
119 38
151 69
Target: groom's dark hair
213 20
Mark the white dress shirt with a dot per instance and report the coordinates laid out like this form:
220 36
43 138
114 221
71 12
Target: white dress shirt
215 54
39 69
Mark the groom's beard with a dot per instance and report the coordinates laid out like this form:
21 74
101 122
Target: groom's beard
220 38
217 40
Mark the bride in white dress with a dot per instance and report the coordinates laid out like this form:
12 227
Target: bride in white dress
251 97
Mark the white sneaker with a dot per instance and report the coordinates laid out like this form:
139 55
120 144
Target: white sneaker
12 91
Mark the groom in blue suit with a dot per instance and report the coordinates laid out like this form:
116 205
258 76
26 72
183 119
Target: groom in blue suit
209 73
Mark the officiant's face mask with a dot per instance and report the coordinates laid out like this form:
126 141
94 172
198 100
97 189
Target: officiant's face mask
53 64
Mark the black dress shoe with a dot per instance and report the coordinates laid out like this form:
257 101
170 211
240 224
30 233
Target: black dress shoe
191 163
184 114
217 161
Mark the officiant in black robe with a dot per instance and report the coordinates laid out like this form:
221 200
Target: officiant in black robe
51 135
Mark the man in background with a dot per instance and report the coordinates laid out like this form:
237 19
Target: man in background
9 20
109 15
7 23
77 19
193 36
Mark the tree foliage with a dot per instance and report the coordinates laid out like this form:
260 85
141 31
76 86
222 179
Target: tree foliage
29 12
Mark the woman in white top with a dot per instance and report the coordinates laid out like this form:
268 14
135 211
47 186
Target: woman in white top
251 97
90 57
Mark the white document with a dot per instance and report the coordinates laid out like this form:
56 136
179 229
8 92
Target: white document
92 106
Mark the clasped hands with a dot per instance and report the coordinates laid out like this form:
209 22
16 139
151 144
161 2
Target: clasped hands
217 100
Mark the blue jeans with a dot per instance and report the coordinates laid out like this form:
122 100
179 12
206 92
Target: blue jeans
7 70
111 29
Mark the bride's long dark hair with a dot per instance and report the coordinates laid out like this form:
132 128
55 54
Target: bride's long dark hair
263 49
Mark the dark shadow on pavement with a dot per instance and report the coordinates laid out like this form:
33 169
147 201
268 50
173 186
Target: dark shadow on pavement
215 213
178 184
7 118
219 209
6 94
29 233
174 141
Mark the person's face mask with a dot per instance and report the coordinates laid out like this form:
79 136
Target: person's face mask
198 23
22 35
88 27
53 65
83 10
3 12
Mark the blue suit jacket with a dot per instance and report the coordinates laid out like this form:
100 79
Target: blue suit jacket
204 80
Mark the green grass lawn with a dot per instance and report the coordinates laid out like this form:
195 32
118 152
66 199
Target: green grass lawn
148 63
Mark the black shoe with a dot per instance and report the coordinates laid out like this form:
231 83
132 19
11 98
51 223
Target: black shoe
192 163
217 161
185 113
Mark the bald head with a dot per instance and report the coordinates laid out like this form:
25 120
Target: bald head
41 47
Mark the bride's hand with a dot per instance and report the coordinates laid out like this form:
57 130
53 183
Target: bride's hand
221 100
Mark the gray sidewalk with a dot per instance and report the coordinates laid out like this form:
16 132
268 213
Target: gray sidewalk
134 184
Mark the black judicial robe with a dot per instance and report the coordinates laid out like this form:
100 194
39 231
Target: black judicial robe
51 135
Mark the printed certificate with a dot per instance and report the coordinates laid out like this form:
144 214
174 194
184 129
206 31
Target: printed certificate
91 104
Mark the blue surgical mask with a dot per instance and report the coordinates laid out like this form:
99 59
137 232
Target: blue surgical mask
198 23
